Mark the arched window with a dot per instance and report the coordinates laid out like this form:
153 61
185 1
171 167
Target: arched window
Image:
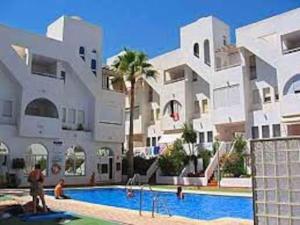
196 50
104 152
4 152
173 109
36 154
94 66
75 161
206 52
41 107
82 52
292 86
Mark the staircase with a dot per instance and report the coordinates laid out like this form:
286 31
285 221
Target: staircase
224 148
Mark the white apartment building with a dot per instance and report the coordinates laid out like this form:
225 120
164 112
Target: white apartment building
251 87
53 109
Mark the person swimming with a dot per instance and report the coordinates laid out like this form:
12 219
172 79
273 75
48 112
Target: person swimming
179 193
130 193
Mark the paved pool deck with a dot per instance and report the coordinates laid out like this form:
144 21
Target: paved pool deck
125 216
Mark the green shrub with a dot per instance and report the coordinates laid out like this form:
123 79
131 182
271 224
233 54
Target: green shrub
234 164
172 164
205 155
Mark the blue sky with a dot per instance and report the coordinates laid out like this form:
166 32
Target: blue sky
148 25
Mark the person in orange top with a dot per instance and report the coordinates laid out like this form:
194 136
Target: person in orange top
58 190
36 180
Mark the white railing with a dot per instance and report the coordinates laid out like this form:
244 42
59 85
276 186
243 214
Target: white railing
215 160
153 168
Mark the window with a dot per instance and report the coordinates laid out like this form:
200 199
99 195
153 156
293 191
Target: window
255 97
201 137
173 109
209 136
252 67
63 75
267 95
195 76
157 113
196 107
41 107
148 142
153 141
204 106
196 50
64 115
224 40
75 161
104 152
265 131
72 116
276 94
206 52
94 66
136 113
255 132
104 168
80 117
276 130
152 115
118 166
127 114
82 52
36 154
150 95
7 108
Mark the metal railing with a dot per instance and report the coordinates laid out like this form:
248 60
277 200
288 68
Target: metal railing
157 201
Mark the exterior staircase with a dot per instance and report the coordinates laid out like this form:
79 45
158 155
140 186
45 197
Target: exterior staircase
224 148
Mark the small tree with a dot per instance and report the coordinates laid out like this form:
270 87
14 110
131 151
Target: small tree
173 163
190 137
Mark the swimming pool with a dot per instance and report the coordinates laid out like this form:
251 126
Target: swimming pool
195 206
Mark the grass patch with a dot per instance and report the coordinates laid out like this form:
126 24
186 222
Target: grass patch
208 189
5 198
79 221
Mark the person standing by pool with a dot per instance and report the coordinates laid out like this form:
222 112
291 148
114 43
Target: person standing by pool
179 193
36 180
58 190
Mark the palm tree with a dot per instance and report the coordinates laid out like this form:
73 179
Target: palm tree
130 66
190 137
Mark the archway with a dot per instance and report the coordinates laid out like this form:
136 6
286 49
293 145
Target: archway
75 161
36 154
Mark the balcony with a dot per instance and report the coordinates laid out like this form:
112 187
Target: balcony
174 75
227 57
44 66
290 42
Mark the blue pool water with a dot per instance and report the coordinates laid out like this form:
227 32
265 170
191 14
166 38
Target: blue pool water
196 206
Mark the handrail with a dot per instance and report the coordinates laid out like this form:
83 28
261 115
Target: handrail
155 201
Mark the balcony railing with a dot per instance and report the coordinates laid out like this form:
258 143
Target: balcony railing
292 50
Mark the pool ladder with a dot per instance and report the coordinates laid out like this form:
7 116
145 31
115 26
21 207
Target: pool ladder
156 202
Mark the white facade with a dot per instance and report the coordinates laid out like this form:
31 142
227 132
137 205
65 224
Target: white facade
252 88
51 94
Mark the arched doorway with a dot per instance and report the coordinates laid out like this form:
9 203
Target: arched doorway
4 163
75 161
105 162
36 154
